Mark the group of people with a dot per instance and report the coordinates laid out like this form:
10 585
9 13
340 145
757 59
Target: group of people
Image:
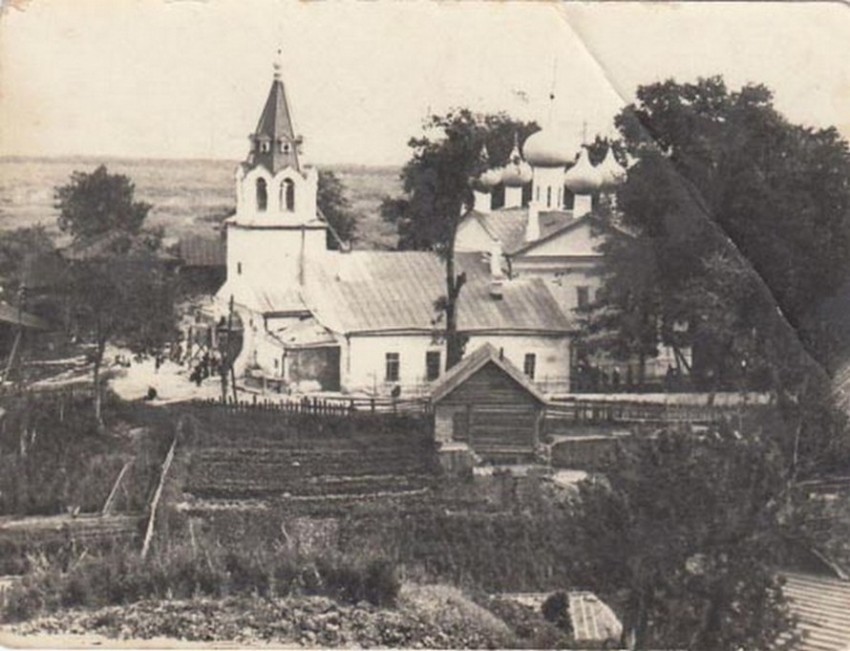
205 367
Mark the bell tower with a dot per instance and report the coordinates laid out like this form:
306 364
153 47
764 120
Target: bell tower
277 229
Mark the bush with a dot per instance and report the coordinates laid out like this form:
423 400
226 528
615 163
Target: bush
556 609
122 577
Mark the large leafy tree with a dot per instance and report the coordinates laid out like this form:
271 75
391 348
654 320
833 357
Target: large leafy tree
95 203
686 533
736 226
120 289
721 176
19 248
335 206
437 183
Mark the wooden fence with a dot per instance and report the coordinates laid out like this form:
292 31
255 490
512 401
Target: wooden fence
331 407
625 412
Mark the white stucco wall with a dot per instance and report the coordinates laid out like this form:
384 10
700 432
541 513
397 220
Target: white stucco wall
548 187
577 241
364 359
364 362
563 277
471 236
552 356
271 257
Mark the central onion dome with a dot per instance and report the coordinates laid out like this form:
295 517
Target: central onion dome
516 171
583 177
613 174
550 148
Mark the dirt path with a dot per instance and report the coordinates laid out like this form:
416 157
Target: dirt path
12 640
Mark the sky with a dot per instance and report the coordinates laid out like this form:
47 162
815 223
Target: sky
188 78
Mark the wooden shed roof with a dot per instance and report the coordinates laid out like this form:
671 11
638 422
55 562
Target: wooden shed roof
472 363
822 606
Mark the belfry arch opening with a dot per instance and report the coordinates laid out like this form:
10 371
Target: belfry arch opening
287 195
262 195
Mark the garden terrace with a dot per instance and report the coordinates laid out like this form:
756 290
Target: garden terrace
259 453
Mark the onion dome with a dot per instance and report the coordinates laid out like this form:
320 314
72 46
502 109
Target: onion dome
583 177
516 171
612 173
490 178
550 148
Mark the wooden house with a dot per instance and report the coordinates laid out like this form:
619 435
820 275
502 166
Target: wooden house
487 403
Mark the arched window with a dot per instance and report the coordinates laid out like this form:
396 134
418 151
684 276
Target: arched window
287 195
262 195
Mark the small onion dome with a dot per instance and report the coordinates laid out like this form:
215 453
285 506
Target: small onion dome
583 177
549 148
490 178
516 171
612 173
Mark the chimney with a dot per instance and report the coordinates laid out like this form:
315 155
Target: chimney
532 226
483 201
496 275
513 196
344 263
582 205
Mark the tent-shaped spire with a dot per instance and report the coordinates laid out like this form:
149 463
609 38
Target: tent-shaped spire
274 143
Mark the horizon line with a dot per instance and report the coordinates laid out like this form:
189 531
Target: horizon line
176 159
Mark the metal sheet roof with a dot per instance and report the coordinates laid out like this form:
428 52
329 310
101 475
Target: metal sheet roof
379 291
508 225
197 251
12 315
822 606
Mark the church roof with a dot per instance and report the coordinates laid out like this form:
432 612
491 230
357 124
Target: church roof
9 314
508 225
383 291
275 128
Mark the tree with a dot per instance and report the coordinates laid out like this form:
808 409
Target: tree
718 170
418 226
686 532
336 207
96 203
123 291
17 249
737 226
437 185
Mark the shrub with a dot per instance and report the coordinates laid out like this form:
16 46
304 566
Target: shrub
556 609
122 577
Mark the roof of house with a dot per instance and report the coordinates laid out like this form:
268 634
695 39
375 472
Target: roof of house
305 333
42 270
109 244
379 291
474 362
266 300
12 315
822 606
198 251
508 225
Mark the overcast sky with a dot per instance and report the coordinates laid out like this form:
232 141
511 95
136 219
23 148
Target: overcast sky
187 78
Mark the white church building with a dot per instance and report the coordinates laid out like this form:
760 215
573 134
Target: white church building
319 319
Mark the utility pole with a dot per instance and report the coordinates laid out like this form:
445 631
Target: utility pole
224 347
22 293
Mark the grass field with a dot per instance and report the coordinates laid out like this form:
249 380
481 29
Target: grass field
184 193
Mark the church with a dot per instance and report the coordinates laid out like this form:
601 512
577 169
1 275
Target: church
316 318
